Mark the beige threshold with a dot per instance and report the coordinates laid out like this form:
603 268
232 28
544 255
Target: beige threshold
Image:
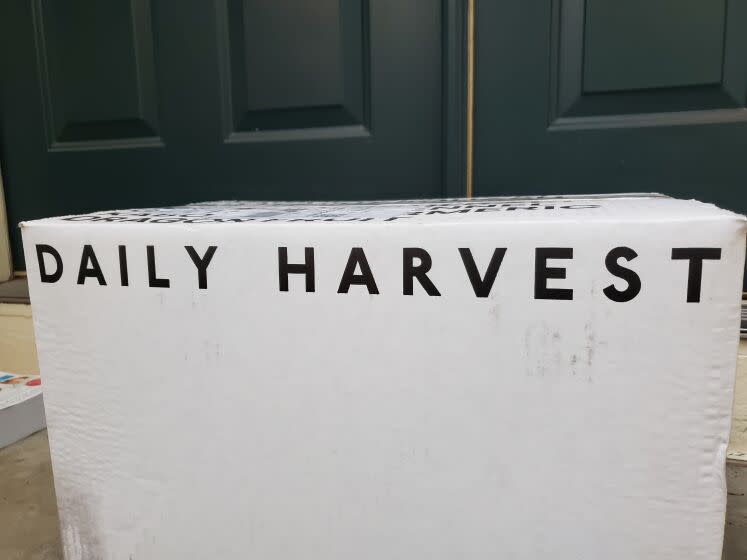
17 347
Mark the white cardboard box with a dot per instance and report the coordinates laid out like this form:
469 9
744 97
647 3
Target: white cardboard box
494 378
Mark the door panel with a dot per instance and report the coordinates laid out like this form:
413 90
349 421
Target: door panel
320 80
645 44
156 102
601 96
96 71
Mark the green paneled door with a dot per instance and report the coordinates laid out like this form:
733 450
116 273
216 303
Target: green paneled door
150 102
128 103
581 96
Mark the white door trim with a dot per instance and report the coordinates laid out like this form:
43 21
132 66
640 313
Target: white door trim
6 261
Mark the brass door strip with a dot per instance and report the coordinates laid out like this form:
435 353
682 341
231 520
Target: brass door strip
470 95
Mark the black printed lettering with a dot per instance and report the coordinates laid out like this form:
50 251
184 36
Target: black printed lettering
358 259
410 271
542 273
46 276
201 263
482 286
696 256
633 280
123 274
307 268
89 267
153 280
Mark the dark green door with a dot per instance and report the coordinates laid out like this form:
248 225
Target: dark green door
603 95
128 103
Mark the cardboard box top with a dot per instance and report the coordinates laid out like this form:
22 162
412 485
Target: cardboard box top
592 208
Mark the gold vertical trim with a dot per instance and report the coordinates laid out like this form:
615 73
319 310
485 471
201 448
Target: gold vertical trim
470 94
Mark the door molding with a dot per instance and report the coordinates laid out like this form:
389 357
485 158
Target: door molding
456 113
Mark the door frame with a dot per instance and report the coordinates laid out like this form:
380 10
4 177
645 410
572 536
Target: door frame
6 260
